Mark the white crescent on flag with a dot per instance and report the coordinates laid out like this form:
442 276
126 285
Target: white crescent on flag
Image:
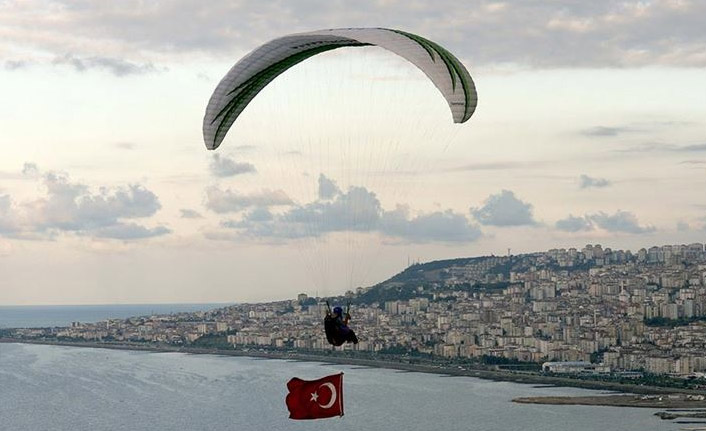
332 388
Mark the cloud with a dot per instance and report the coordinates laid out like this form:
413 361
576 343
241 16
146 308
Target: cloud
70 207
692 148
603 131
116 66
597 34
439 226
189 213
355 210
225 201
693 162
586 182
244 148
639 127
125 145
128 231
658 146
15 64
574 224
259 214
646 147
30 170
8 224
222 166
504 209
327 187
683 226
621 221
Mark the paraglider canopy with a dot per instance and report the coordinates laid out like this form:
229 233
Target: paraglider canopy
257 69
332 144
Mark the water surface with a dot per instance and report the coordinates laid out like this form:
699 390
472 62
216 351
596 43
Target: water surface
44 316
75 389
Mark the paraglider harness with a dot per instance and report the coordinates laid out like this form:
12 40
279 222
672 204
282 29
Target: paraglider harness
337 332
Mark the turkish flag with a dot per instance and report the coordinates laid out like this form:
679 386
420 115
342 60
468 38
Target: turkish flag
315 399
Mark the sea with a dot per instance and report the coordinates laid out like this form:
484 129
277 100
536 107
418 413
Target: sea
44 316
57 388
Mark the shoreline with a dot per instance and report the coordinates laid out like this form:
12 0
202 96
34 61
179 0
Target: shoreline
494 375
653 402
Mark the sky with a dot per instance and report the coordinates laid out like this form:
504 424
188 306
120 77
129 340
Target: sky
589 129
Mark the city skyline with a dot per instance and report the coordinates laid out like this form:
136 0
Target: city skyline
605 314
589 129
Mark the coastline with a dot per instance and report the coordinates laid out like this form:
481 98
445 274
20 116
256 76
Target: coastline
654 402
494 375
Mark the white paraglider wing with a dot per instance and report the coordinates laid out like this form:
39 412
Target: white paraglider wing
256 70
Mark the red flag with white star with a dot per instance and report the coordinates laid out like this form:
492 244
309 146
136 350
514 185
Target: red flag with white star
315 399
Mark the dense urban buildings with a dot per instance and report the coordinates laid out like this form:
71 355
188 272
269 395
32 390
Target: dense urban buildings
578 309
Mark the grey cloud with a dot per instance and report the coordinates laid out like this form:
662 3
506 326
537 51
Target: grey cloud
30 170
657 146
8 224
586 182
504 209
440 226
621 221
4 203
225 201
646 147
356 210
642 127
259 214
601 33
222 166
683 226
189 213
15 64
327 187
116 66
131 202
128 231
692 148
574 224
259 222
73 208
603 131
244 148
